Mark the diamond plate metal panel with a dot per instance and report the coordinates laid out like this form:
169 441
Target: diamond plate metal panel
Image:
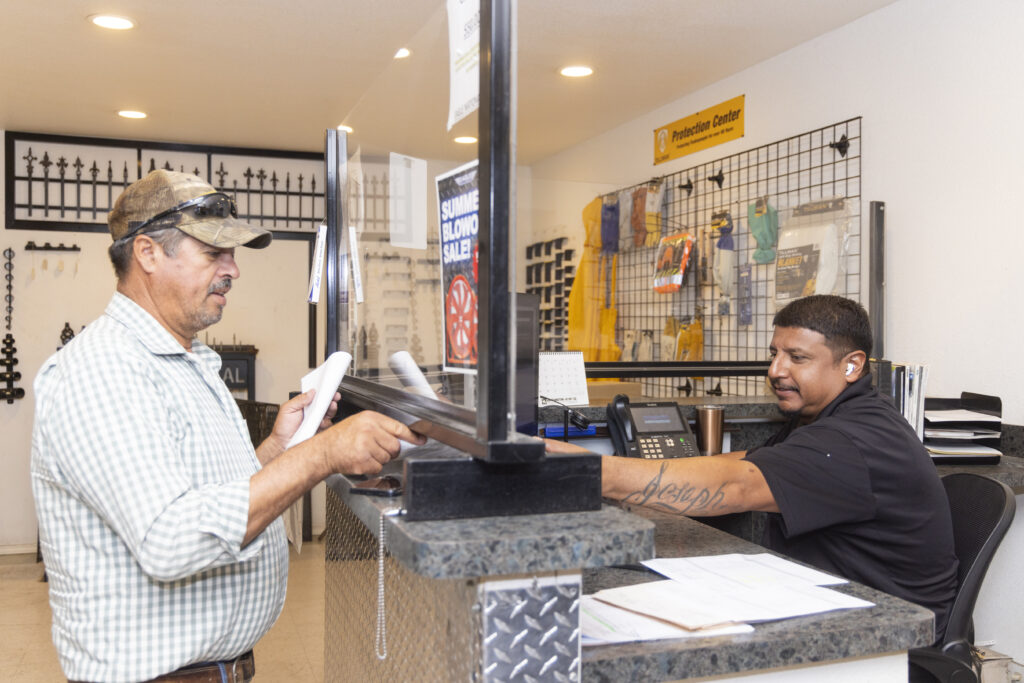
531 629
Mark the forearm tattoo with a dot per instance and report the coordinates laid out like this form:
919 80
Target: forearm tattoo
681 498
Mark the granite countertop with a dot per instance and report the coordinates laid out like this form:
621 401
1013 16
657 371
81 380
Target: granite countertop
495 546
891 625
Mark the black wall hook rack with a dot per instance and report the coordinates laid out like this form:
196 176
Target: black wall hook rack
688 186
843 146
718 178
32 246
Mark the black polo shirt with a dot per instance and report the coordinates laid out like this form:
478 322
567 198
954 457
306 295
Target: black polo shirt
860 497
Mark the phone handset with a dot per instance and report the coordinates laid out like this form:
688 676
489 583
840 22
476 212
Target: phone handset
620 424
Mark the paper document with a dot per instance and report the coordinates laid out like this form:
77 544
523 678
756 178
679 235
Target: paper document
959 415
972 449
961 434
704 603
757 570
325 379
601 623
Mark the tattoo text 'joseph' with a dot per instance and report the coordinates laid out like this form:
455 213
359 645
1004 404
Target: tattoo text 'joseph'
670 497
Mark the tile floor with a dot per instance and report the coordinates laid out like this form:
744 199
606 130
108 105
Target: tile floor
292 651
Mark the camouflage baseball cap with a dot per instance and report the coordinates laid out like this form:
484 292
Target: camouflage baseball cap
167 199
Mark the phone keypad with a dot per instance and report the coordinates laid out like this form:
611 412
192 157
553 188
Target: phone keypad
665 446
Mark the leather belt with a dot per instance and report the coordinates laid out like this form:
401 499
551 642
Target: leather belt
240 670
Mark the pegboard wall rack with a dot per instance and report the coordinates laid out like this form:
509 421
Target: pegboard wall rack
815 165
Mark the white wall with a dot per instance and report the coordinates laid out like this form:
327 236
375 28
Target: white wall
268 298
938 83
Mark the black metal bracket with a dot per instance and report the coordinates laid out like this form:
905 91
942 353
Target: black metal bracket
718 178
32 246
688 187
727 368
843 146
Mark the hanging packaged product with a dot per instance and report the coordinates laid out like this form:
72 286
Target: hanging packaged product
610 224
638 216
670 262
812 250
763 220
625 215
725 259
746 314
652 213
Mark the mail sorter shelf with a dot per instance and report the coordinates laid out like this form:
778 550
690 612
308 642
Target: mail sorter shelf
965 430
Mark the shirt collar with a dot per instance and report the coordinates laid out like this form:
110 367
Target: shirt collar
154 336
861 387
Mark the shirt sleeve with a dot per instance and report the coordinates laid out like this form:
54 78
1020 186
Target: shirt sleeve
117 449
818 479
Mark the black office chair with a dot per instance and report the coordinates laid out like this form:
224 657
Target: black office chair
982 510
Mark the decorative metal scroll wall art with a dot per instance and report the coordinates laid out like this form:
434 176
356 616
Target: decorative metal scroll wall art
70 183
8 376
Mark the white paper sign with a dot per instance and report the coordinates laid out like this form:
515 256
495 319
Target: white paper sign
464 59
357 277
407 201
317 270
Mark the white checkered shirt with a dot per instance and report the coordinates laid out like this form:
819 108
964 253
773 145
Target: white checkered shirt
140 469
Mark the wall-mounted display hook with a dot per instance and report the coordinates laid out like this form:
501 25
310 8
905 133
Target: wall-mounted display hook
32 246
842 146
688 187
718 178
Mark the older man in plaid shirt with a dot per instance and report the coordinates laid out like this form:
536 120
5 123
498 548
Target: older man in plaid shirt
159 522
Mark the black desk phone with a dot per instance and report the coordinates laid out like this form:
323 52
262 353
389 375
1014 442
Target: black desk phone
649 430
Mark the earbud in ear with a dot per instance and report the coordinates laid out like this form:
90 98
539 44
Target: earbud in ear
850 368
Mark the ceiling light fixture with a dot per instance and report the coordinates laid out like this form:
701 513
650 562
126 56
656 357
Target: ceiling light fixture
576 71
112 22
347 129
402 53
465 140
131 114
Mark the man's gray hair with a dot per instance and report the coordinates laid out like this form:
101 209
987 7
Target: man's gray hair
121 250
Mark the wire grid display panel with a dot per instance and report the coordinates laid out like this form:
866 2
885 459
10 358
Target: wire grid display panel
790 172
432 628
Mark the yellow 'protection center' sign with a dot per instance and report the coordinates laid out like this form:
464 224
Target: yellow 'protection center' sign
707 128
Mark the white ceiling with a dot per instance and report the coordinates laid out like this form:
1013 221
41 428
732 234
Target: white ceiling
273 74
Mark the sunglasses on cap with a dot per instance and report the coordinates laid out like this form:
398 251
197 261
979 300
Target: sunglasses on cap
213 205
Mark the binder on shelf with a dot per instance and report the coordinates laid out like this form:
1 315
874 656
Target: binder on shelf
965 430
904 384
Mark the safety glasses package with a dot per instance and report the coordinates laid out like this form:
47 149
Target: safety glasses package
670 262
812 250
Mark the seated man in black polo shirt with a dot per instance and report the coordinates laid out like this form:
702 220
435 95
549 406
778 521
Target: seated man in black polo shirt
846 483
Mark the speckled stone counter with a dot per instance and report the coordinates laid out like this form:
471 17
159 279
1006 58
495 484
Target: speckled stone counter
892 625
494 546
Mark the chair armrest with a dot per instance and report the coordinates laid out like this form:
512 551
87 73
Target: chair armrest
942 666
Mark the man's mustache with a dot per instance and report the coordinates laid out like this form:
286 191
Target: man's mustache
222 287
779 386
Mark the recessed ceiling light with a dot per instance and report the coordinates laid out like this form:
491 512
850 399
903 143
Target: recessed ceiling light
347 129
131 114
112 22
402 53
576 71
465 140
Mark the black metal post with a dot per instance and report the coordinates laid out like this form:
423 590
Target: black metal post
876 283
335 153
495 125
